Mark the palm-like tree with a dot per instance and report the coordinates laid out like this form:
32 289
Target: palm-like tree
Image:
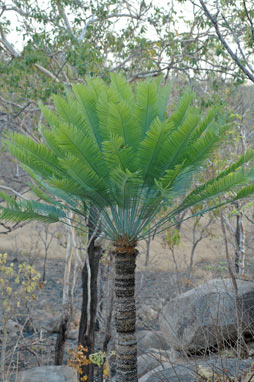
115 149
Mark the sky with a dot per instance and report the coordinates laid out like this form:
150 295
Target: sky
17 39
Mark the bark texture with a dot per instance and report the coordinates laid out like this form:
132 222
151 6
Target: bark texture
62 337
89 305
125 314
240 247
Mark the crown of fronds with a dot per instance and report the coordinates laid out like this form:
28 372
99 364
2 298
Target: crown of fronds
116 149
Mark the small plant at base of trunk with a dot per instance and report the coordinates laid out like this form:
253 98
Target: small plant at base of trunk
78 360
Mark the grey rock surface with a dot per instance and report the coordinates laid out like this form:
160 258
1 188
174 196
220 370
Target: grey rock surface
206 315
147 362
188 372
49 374
150 339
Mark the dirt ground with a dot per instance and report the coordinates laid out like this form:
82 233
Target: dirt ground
26 243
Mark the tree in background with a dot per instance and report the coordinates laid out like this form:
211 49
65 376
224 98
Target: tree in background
228 33
119 151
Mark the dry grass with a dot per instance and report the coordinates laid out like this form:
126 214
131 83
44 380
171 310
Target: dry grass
208 258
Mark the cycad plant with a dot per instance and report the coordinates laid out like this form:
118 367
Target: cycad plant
116 150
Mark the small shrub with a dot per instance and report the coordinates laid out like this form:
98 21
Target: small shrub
17 287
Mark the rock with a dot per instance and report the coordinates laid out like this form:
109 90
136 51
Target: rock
13 328
188 372
206 316
147 314
150 339
73 334
42 320
171 355
50 321
149 361
49 374
44 305
153 358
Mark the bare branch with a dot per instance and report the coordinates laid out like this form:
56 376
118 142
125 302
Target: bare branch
17 10
249 18
94 19
64 17
122 63
46 72
237 43
214 21
14 192
8 46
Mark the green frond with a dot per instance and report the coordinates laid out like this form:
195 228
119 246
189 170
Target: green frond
207 123
27 210
11 215
185 101
146 105
34 155
88 101
69 111
176 181
82 146
244 158
42 209
97 86
51 141
116 154
180 140
49 115
125 186
41 194
163 93
217 187
10 201
153 151
202 148
102 108
90 186
51 194
121 86
245 192
83 174
122 123
68 186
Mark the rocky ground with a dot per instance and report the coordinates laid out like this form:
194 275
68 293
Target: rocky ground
156 284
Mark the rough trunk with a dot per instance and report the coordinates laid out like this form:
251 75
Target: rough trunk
89 305
66 309
239 239
125 313
62 337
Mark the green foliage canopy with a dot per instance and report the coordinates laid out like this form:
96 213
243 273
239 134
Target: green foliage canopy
116 149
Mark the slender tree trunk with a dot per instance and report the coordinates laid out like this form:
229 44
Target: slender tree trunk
239 239
66 308
125 313
62 336
89 305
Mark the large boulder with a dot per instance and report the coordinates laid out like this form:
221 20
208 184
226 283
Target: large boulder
222 369
206 316
49 374
150 339
149 361
153 358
